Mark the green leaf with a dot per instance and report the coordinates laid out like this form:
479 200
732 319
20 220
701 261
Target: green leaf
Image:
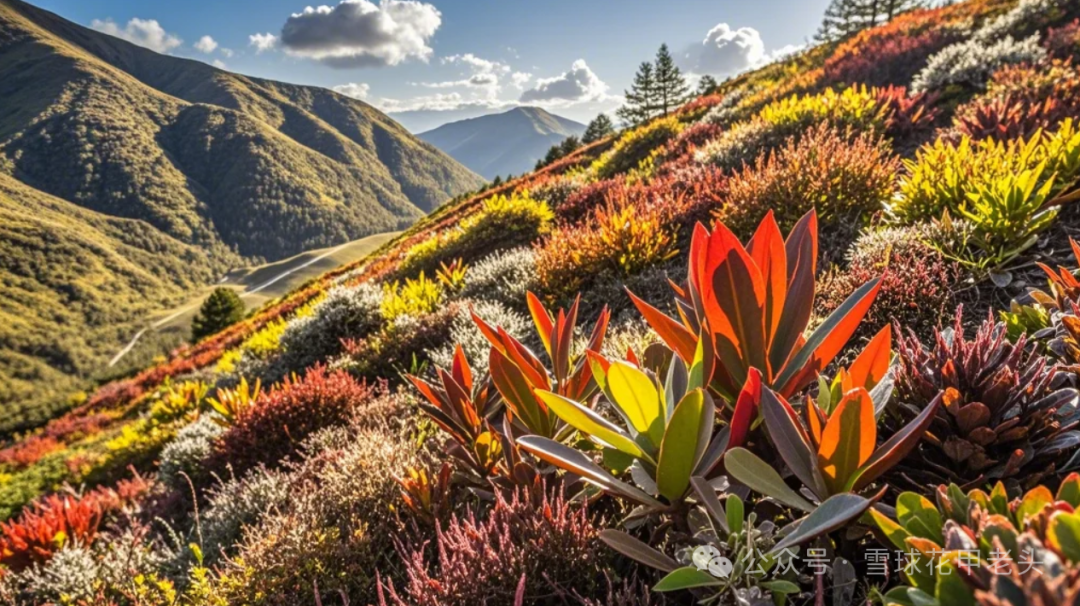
637 397
735 513
588 422
919 517
893 531
835 512
571 460
637 550
707 496
1064 535
781 586
686 577
680 448
749 469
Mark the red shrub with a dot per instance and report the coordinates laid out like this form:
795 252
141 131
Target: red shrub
533 539
1064 42
1021 99
681 148
281 418
890 54
698 107
29 451
582 202
46 525
904 115
846 179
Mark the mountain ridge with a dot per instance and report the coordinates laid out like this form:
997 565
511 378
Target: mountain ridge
190 169
505 143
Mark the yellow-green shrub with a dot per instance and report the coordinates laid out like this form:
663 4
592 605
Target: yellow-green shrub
635 146
502 222
857 107
264 342
413 298
1000 187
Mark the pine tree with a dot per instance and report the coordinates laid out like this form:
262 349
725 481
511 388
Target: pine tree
568 146
706 84
221 309
641 98
671 88
599 128
846 17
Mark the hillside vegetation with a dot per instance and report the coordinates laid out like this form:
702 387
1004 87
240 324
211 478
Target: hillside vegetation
810 337
204 170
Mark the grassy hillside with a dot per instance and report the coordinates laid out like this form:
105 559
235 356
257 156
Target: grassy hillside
503 144
831 305
213 170
74 280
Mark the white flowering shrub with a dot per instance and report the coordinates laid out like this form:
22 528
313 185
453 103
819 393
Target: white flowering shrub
741 143
463 331
346 312
995 44
188 449
727 111
555 191
504 277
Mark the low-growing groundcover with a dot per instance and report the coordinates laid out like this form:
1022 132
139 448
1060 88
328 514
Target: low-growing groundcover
812 338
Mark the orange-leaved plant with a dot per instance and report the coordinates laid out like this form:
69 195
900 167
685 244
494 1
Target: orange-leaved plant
751 305
517 373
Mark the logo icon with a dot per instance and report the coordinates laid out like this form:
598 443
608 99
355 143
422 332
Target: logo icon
708 557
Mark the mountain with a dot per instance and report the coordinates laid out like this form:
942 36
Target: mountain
502 144
422 120
127 176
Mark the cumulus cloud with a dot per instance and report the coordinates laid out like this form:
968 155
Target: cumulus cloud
577 85
725 51
359 33
439 102
144 32
520 79
262 42
356 90
481 74
218 63
228 52
206 44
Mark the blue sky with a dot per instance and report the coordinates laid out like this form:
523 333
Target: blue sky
573 57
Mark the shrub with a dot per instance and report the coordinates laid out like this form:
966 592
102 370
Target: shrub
846 179
554 191
233 505
531 535
999 187
264 343
345 312
501 222
622 238
635 146
400 347
334 529
1064 42
502 276
186 453
999 418
46 525
971 63
270 430
465 333
414 298
890 54
917 281
856 107
1019 101
221 309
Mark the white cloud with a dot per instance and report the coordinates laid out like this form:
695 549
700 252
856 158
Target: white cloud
577 85
520 79
144 32
262 42
438 102
218 63
359 33
726 51
228 52
206 44
356 90
481 74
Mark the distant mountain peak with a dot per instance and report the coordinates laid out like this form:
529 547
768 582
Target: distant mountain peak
508 142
